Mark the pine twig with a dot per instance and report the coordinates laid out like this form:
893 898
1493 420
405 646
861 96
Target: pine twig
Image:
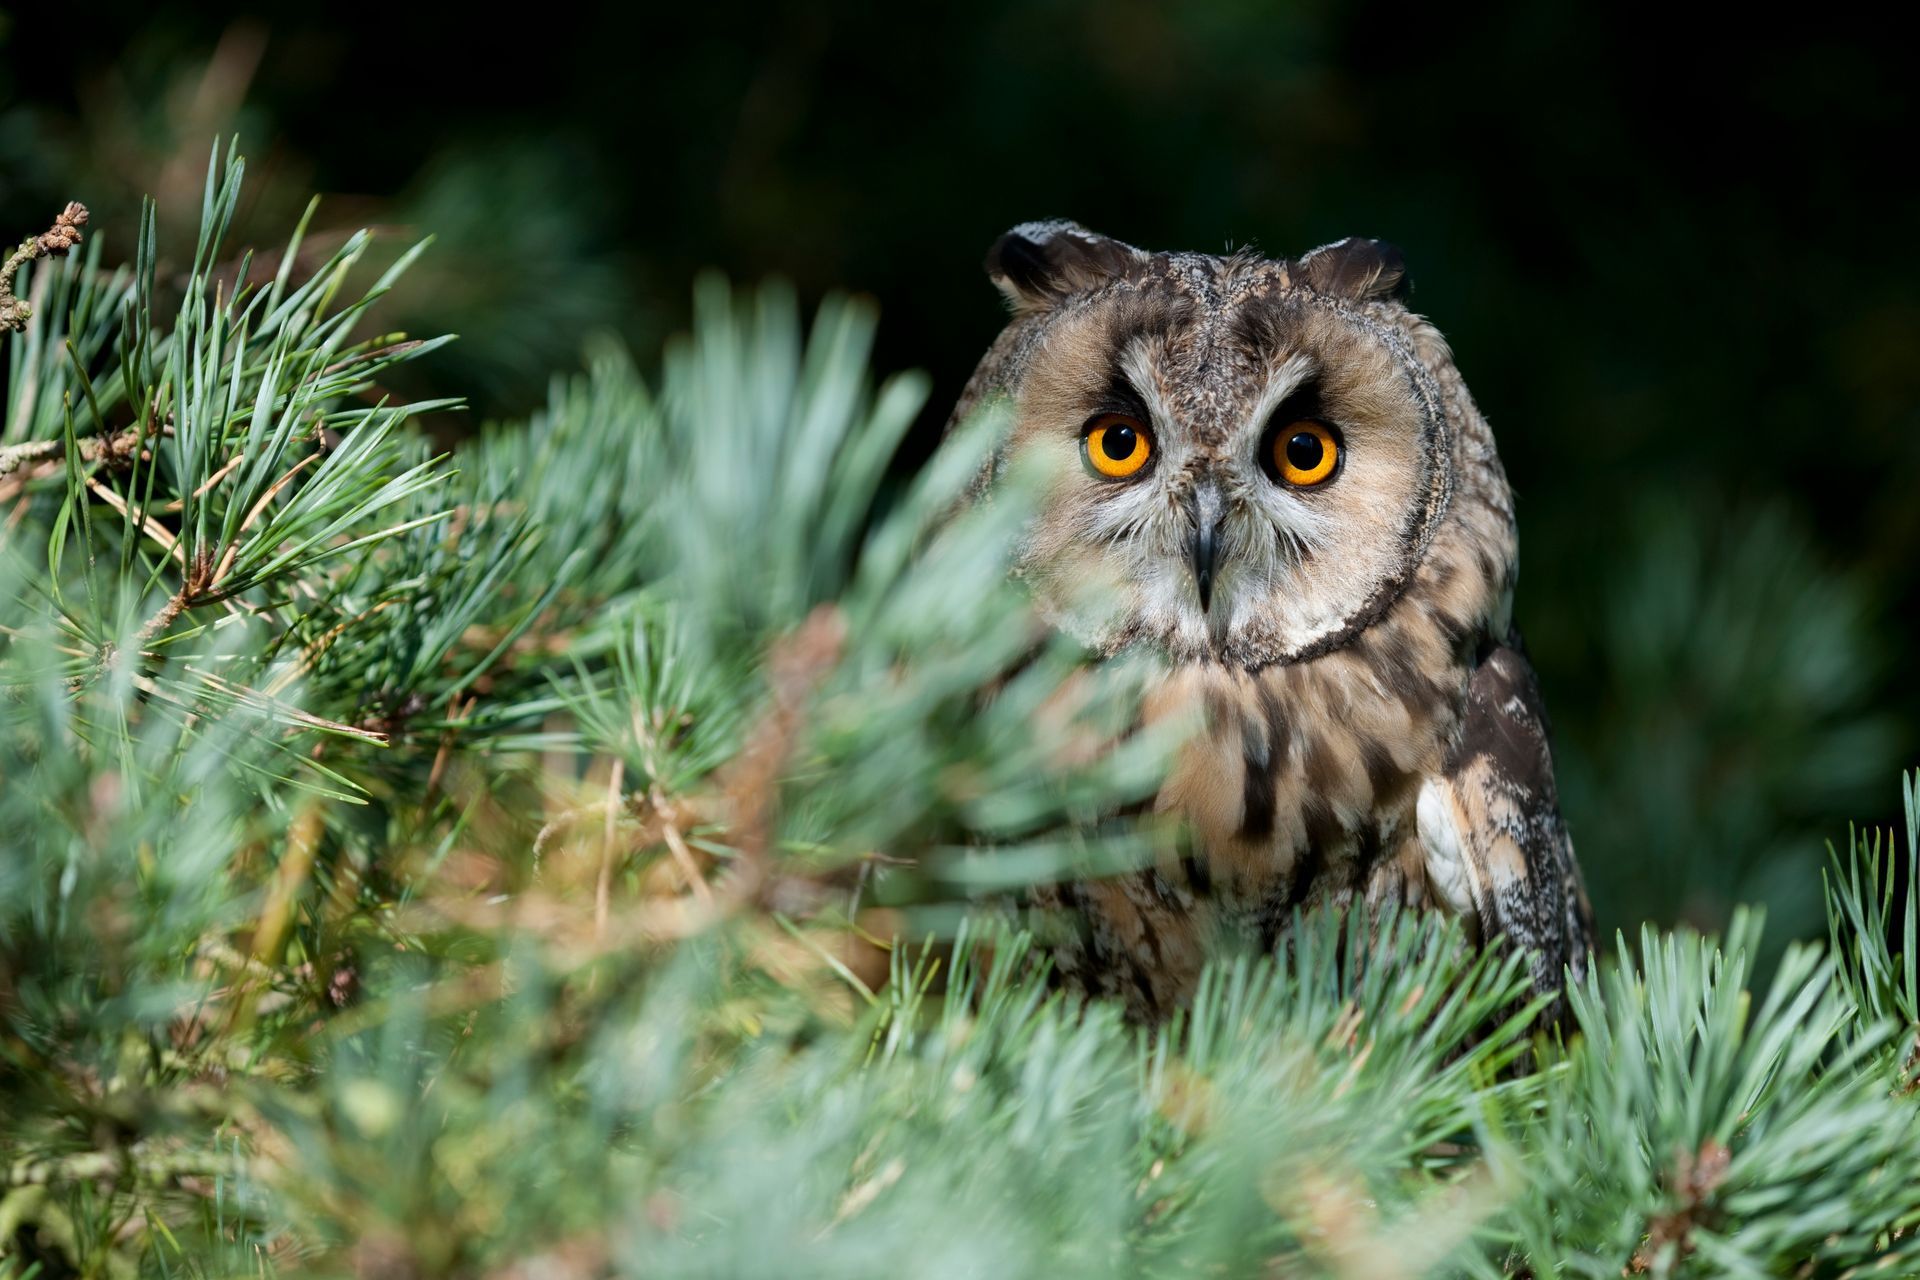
62 236
147 1166
92 449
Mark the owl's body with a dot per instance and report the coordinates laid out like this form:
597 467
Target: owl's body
1269 478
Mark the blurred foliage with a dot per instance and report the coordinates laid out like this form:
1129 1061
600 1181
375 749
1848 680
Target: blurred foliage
1663 263
495 865
1745 706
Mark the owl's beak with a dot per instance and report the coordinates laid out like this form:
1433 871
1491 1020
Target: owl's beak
1208 511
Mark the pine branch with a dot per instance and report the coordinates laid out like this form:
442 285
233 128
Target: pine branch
606 846
113 450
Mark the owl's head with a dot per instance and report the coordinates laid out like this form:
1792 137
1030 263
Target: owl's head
1244 460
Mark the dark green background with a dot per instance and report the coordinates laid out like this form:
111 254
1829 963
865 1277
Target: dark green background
1673 263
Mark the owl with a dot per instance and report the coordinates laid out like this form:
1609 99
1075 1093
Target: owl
1268 477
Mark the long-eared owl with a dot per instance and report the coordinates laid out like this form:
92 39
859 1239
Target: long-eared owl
1271 477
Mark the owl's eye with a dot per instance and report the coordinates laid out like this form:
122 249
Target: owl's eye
1304 454
1117 446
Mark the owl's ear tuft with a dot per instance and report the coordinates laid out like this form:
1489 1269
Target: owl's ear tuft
1355 268
1038 263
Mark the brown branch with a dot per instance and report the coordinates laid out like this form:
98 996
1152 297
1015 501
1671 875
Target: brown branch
795 668
199 574
1692 1183
88 1165
156 625
56 240
92 449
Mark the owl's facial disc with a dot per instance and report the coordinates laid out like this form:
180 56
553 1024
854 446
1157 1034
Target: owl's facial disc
1241 477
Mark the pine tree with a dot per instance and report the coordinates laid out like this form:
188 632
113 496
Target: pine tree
590 852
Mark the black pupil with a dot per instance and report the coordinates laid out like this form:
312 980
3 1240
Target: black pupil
1304 451
1117 443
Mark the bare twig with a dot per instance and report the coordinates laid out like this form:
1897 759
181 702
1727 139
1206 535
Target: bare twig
198 575
92 449
795 668
147 1166
56 240
1692 1183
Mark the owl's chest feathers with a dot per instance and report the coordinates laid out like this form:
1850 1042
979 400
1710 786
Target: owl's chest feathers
1301 782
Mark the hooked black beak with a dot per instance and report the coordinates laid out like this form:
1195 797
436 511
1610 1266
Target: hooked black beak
1205 542
1207 517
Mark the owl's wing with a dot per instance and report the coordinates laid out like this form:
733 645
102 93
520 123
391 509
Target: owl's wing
1497 850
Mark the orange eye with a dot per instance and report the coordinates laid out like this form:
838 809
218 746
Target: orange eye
1305 453
1117 446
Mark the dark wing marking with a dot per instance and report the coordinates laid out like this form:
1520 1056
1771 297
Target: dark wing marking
1497 849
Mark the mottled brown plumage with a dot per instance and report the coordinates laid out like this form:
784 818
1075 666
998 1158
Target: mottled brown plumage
1370 728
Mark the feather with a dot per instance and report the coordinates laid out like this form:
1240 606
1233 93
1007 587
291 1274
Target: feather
1497 850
